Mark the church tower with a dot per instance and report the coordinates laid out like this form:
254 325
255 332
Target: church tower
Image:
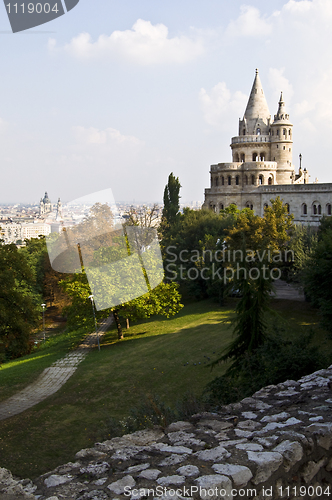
59 210
262 169
282 144
253 128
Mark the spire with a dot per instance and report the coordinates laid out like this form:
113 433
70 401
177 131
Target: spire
281 114
257 106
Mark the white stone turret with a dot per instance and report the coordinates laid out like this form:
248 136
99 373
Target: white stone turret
282 144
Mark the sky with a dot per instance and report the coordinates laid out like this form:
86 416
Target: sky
118 94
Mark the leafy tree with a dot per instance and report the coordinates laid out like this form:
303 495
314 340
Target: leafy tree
199 235
145 217
19 302
302 244
163 300
317 274
252 244
111 259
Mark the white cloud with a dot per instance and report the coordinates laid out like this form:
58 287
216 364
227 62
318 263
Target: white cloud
249 23
220 106
144 44
109 136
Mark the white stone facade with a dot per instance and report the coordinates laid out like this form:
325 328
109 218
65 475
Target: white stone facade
12 232
262 167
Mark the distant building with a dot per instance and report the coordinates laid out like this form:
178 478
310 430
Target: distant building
45 205
262 167
59 210
11 232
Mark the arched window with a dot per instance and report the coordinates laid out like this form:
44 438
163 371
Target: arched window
319 210
253 180
236 157
229 180
246 180
258 131
261 180
242 157
249 205
265 206
237 180
254 157
328 209
270 181
277 131
304 209
262 156
244 131
314 209
284 132
221 206
287 207
216 181
222 180
289 132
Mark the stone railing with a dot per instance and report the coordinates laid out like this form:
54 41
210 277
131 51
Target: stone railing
251 138
276 444
305 188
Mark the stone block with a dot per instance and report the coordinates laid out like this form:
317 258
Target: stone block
267 463
291 451
239 473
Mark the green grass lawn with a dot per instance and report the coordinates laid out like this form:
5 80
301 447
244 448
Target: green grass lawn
17 374
159 356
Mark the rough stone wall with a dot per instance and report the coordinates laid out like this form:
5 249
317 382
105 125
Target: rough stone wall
276 444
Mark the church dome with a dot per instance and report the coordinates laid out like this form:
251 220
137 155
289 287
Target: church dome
46 198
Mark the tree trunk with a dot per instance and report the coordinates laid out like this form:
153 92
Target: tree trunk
118 324
127 323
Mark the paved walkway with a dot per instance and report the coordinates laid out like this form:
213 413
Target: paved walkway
286 291
52 378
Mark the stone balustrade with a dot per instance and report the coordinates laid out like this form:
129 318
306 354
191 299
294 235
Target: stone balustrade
276 444
251 138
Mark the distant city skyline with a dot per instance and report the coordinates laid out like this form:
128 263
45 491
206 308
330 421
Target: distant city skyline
118 95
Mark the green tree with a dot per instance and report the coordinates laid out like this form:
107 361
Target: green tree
255 246
317 274
119 265
171 210
19 302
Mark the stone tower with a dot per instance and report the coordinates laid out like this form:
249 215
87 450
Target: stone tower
282 144
59 210
261 161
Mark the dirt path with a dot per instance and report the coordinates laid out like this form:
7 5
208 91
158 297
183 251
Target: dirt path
52 378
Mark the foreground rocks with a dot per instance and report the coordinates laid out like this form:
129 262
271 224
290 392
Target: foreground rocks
267 446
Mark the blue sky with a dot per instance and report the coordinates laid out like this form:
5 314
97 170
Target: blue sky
119 94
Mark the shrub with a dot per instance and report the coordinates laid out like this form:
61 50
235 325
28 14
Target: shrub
277 360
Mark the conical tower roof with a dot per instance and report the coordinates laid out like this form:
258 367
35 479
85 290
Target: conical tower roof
282 114
257 106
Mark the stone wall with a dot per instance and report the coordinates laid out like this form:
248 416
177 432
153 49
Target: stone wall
275 444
